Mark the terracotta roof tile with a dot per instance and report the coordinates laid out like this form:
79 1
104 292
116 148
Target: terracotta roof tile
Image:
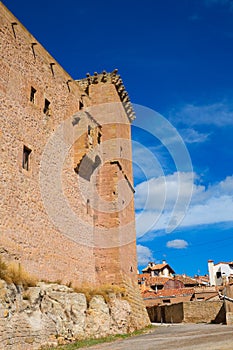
186 279
158 280
157 267
144 275
168 293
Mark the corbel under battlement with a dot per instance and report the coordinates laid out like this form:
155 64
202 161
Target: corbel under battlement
110 78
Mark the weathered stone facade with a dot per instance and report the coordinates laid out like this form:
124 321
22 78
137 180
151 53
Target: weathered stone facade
189 312
67 209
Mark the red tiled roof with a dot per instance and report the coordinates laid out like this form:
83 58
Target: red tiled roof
186 279
158 267
154 267
143 275
161 280
158 280
202 279
167 293
149 294
175 292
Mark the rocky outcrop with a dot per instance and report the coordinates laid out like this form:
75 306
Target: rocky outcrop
49 314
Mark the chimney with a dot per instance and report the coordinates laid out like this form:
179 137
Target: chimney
164 262
211 272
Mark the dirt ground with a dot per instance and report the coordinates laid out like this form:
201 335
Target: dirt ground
179 336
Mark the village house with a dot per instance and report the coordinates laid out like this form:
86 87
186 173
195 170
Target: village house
170 297
221 273
162 270
160 285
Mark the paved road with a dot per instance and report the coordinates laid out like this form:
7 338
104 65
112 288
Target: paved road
174 337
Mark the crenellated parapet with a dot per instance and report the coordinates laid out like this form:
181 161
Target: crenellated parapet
110 78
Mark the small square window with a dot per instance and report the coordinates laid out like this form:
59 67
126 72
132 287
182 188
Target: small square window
46 107
32 95
26 157
166 301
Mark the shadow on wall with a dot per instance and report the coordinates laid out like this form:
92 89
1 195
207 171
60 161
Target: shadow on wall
221 316
87 167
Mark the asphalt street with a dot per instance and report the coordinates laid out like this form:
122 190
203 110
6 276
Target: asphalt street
179 336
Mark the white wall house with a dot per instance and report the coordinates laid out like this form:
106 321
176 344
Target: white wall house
161 270
219 273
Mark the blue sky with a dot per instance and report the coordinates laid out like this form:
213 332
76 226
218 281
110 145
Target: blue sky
176 58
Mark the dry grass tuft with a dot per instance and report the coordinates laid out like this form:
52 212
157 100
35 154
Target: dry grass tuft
105 290
3 270
14 273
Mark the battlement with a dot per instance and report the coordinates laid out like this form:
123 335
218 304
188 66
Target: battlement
110 78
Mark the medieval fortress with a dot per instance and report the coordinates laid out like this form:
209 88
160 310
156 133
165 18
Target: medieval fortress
67 206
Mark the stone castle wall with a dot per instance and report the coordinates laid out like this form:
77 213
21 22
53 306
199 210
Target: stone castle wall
27 233
67 210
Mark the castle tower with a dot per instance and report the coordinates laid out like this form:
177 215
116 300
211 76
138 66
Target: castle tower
67 209
113 203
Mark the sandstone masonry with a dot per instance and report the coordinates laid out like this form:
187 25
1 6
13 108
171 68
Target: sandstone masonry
66 208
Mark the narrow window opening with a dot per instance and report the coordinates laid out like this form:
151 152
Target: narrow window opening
13 24
46 107
89 130
26 157
33 49
32 95
68 84
51 67
99 137
81 105
88 206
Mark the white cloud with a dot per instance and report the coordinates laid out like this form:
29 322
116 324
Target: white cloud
215 210
193 136
177 244
218 114
145 255
209 205
161 193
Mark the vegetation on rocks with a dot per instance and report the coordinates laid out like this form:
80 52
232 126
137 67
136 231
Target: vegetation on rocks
104 290
15 273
